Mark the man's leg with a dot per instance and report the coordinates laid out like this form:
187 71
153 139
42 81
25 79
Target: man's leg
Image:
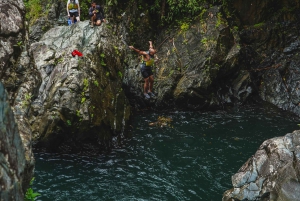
151 80
146 85
98 23
72 18
92 20
150 91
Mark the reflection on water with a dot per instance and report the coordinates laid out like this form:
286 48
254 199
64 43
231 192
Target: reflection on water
192 160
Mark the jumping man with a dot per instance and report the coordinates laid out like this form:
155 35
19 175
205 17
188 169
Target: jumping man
146 69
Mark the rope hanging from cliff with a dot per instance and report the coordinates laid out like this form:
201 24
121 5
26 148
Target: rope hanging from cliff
266 68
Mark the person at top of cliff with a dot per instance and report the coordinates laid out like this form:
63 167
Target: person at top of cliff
73 10
146 69
97 14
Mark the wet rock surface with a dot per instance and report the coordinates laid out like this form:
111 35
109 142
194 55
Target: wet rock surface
272 173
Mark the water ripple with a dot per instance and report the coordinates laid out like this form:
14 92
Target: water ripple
192 160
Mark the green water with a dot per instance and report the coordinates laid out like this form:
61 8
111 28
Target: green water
193 160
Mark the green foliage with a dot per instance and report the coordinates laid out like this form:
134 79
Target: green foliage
235 28
78 113
107 74
20 43
131 27
84 9
184 27
96 83
117 50
30 195
27 100
177 8
33 10
69 123
259 25
102 57
219 20
59 60
208 42
102 63
120 74
85 88
85 84
204 41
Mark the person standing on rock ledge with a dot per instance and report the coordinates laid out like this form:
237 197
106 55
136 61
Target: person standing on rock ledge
73 10
96 14
146 69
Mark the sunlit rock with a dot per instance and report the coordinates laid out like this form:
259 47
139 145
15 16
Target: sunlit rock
276 166
80 106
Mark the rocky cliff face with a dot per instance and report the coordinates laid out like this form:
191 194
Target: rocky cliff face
15 73
232 53
80 105
198 66
270 43
272 173
13 169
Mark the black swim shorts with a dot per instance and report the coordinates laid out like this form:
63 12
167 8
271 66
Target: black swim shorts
146 71
74 14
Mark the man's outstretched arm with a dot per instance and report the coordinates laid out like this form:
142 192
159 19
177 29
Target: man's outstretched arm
137 50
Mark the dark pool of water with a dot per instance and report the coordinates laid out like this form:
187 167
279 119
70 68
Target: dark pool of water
192 160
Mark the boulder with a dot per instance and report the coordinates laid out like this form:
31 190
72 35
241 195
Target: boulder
272 173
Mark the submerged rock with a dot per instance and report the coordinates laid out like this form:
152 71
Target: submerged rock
162 122
271 174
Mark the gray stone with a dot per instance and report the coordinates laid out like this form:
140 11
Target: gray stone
79 93
12 153
277 172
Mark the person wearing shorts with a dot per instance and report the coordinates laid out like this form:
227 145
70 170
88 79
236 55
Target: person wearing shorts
146 69
96 14
73 10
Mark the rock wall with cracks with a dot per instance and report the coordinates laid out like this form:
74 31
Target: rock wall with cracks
12 153
197 67
272 173
17 76
230 54
80 105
